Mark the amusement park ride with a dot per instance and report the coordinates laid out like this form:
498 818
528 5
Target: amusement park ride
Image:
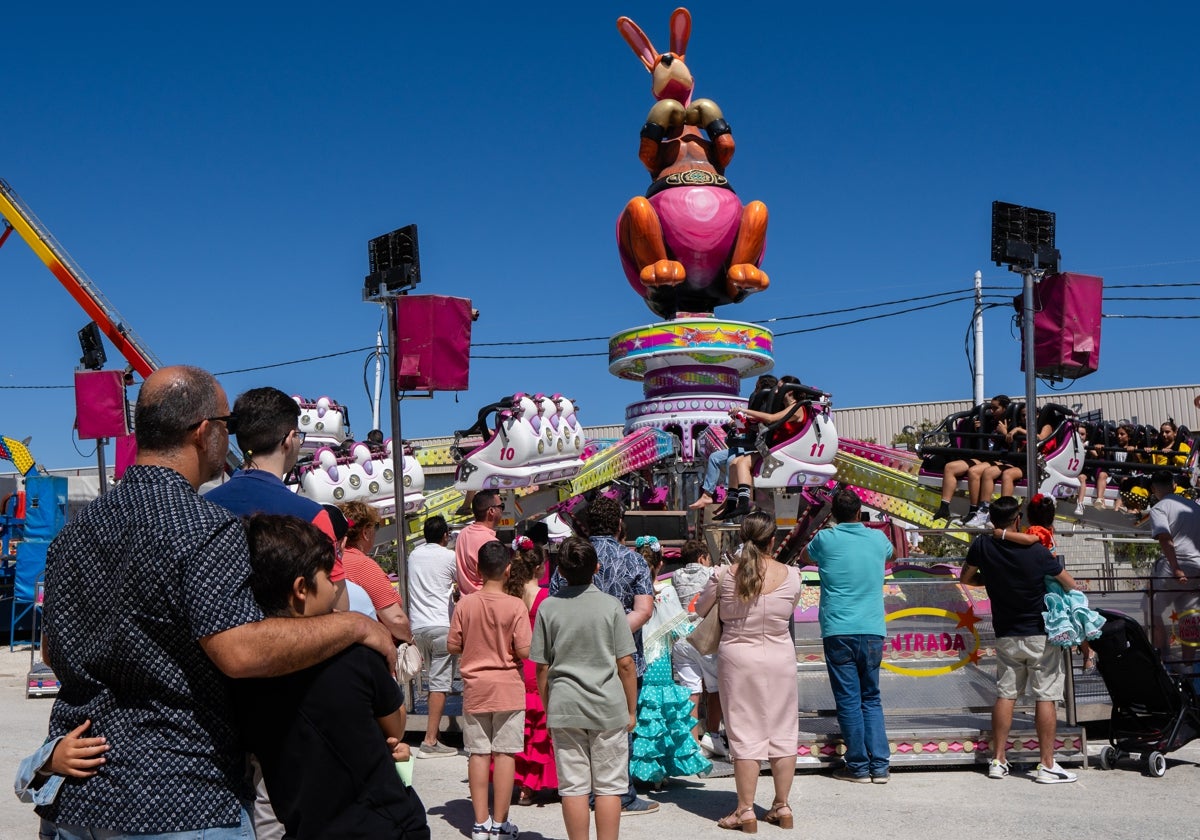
687 246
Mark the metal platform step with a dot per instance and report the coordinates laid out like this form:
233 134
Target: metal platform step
939 740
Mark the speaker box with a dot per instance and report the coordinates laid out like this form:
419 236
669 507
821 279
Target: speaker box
434 336
1066 326
100 404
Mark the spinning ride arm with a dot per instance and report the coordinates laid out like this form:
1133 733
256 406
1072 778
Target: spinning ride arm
73 278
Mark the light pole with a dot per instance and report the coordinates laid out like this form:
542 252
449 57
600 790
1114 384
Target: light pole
1023 239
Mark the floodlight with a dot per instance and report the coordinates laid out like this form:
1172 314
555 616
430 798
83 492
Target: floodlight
395 263
92 346
1023 237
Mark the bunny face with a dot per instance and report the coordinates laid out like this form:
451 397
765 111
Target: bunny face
670 77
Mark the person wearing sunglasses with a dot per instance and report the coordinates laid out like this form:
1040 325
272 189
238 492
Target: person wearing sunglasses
487 509
159 577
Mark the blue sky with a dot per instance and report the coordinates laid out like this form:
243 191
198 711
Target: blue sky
219 170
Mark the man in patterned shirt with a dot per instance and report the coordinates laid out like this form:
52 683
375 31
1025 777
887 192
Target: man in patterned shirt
148 610
623 574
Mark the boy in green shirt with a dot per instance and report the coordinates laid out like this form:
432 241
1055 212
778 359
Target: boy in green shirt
584 653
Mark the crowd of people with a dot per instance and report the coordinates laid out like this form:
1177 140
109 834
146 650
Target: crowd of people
228 662
995 437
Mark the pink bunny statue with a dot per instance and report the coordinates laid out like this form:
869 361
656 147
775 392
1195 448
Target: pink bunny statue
688 245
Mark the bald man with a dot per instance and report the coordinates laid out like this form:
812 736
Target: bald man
148 610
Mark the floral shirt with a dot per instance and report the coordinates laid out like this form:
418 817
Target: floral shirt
623 574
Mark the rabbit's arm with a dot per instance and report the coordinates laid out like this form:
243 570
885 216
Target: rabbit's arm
663 117
707 115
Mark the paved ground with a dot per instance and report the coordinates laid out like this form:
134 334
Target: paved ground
918 804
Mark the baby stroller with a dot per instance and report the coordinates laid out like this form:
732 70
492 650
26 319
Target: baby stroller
1153 711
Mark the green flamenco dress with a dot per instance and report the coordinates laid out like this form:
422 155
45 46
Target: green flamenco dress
662 740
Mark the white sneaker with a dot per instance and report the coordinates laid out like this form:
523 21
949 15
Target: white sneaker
1053 775
481 832
997 769
714 745
1079 509
979 520
505 831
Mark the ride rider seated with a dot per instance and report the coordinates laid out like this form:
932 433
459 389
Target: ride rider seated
783 408
1011 468
984 436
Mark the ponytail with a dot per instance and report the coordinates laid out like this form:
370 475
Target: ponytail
756 532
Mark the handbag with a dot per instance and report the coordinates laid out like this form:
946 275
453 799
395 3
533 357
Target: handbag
408 662
707 635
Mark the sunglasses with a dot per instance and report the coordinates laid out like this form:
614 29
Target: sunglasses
230 421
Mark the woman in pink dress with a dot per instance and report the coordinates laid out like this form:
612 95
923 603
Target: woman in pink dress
535 768
756 669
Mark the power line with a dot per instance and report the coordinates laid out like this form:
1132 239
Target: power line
294 361
877 317
1153 317
858 308
36 387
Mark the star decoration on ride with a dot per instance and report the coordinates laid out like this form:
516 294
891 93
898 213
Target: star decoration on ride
967 619
741 338
693 337
974 656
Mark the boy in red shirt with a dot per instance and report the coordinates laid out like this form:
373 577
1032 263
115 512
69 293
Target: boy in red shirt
490 629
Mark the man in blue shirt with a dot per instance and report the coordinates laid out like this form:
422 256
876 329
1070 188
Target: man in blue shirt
850 558
268 433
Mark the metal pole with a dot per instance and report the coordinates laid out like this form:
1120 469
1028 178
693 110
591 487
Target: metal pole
398 467
378 377
979 397
100 467
397 444
1031 472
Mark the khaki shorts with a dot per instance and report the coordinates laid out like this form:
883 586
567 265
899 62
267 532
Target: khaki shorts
1029 662
591 761
494 732
431 641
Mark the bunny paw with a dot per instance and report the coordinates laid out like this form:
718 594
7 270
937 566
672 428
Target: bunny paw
747 278
665 273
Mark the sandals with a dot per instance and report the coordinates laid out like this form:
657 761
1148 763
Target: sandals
737 822
527 796
774 817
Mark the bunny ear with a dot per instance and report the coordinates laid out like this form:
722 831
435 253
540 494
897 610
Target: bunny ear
638 41
681 30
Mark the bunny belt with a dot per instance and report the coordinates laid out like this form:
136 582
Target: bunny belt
689 178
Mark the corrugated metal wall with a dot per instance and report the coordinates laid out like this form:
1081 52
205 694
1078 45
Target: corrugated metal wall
1143 405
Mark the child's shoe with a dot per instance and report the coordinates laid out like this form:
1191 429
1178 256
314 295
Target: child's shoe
482 831
505 831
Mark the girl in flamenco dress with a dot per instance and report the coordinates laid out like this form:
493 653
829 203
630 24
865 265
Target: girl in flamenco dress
1066 617
662 740
535 770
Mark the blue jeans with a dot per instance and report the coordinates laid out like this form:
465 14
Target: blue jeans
853 664
718 465
244 831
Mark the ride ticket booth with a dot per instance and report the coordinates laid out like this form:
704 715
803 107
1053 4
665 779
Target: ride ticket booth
937 677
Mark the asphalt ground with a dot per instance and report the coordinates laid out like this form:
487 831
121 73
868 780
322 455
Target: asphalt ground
918 804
